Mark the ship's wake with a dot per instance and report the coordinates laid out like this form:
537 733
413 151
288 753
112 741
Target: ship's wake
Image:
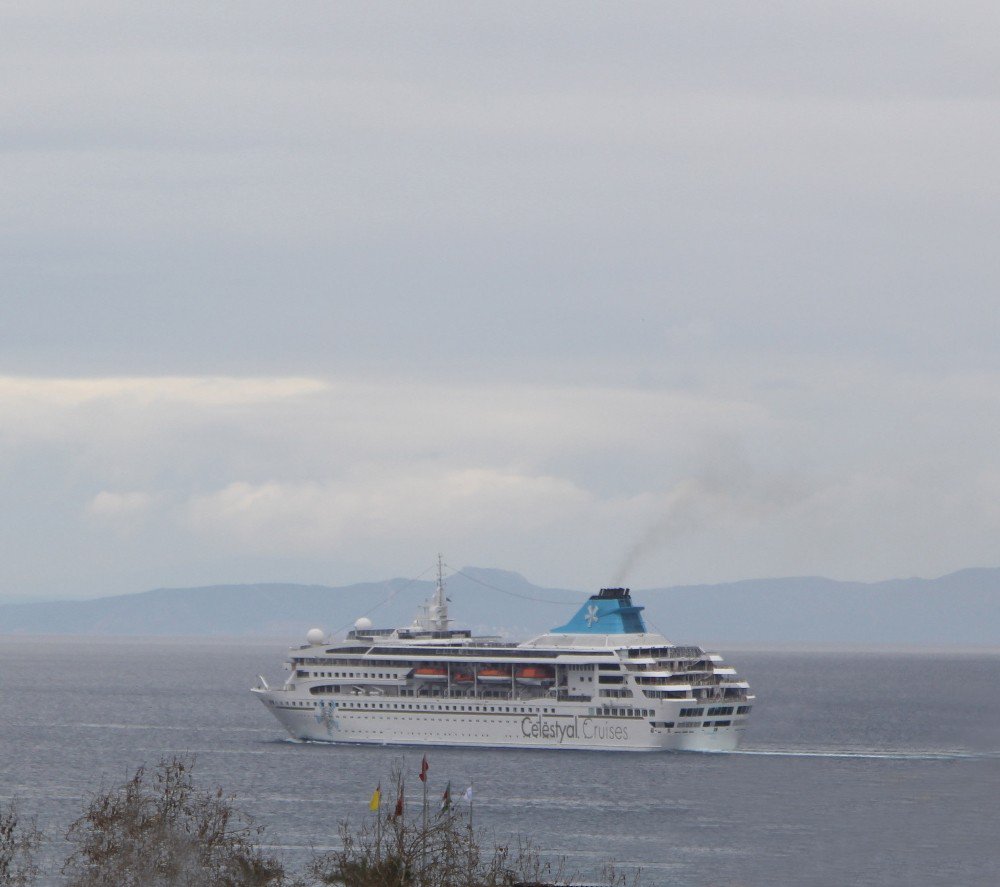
868 754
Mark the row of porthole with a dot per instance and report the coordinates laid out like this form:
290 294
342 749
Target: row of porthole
351 674
405 706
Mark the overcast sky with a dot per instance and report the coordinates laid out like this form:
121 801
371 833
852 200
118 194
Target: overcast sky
657 293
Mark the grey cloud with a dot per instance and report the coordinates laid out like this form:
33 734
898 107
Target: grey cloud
784 212
332 186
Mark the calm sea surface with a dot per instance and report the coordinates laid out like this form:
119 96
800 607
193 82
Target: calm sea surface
857 769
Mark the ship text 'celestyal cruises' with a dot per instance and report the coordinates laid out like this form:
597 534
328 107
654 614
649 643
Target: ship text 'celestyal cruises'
601 681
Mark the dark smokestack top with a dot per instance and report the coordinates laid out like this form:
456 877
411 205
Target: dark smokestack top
612 594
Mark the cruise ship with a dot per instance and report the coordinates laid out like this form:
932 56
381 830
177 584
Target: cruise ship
601 681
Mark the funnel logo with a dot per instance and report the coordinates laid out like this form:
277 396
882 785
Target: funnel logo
591 616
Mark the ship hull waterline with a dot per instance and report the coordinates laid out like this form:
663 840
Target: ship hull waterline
332 726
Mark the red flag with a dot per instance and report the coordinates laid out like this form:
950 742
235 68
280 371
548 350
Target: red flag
424 767
399 804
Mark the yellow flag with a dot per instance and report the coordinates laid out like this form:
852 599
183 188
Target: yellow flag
376 800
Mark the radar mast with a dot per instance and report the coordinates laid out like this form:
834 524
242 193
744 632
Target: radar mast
433 615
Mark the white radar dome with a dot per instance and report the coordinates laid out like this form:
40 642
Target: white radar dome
363 624
315 636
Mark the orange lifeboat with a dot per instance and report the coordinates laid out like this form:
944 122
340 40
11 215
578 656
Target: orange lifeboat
494 674
463 677
534 675
431 673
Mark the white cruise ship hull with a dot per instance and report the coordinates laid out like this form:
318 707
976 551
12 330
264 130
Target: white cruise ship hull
566 726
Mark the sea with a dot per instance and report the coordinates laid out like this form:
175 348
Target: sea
858 768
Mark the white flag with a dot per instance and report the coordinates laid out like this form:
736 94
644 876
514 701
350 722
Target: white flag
468 795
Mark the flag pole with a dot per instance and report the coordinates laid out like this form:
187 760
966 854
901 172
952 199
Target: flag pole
401 804
423 839
471 794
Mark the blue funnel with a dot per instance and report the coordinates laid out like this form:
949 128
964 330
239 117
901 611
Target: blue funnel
610 612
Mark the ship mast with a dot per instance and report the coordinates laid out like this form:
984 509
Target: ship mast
439 607
433 614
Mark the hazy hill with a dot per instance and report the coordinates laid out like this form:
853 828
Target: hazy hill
961 609
280 610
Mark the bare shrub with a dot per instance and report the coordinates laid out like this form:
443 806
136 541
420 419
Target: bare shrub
444 854
395 851
159 829
615 876
19 840
447 853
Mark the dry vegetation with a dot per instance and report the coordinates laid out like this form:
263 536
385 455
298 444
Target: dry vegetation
19 841
159 829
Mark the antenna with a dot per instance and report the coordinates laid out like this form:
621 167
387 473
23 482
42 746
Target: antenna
433 615
439 609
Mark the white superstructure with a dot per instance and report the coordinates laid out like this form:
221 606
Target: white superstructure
602 681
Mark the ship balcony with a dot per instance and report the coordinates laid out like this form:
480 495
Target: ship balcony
688 677
651 672
682 681
658 677
719 694
672 693
663 666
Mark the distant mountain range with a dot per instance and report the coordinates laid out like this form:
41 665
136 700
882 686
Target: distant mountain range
958 610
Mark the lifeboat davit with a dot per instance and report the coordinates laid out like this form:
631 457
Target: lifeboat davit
534 675
431 673
494 674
